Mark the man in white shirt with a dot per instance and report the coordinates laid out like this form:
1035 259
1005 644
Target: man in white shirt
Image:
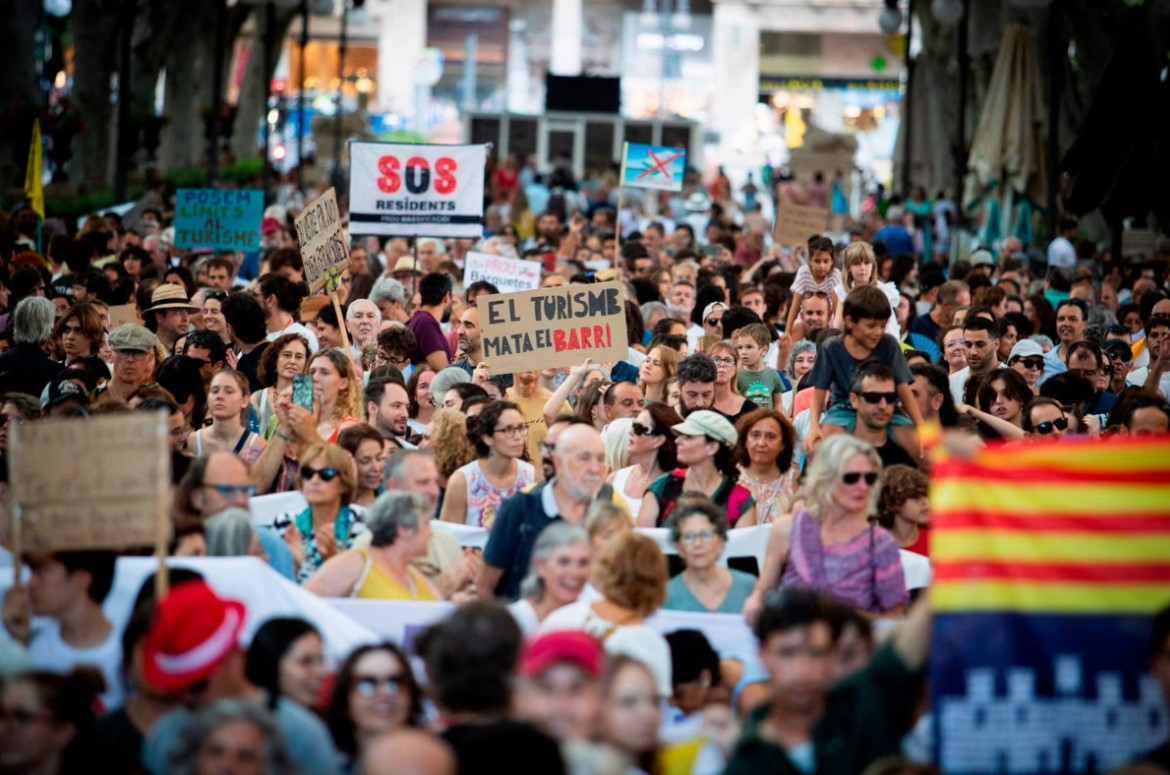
1061 251
981 342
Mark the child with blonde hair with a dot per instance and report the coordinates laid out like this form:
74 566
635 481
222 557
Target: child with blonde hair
860 265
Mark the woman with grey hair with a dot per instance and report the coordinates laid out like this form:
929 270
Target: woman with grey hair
241 727
800 362
399 524
26 368
832 544
230 534
559 571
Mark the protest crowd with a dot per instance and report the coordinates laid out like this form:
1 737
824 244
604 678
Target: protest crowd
757 455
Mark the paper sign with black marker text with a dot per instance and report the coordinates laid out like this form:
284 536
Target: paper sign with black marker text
507 274
211 218
796 223
553 327
322 239
416 190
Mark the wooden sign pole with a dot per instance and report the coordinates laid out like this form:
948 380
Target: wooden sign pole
332 283
162 578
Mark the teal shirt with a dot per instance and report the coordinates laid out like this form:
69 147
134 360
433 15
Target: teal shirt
759 386
680 598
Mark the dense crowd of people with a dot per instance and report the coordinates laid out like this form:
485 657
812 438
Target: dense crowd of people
762 388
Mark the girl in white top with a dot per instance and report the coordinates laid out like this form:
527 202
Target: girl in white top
651 453
560 570
861 269
227 403
476 490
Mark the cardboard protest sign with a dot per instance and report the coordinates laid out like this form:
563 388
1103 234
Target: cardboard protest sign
553 327
416 190
653 166
323 242
92 483
225 220
796 223
507 274
123 313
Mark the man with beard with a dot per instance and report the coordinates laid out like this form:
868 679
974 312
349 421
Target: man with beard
134 361
362 320
579 459
874 398
470 337
434 307
388 407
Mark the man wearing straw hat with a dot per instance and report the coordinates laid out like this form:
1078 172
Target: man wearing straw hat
168 314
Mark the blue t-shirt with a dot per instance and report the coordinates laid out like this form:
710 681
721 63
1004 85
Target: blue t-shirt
834 367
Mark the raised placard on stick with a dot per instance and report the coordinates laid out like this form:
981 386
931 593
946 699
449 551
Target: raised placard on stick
92 482
323 243
553 327
224 220
796 223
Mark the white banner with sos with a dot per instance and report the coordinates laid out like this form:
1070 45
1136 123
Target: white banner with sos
401 190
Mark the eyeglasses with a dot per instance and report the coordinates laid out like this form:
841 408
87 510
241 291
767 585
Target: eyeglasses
326 474
714 322
1031 363
368 684
1045 428
639 429
699 536
724 361
853 477
131 355
872 397
1125 355
383 357
231 490
24 718
512 430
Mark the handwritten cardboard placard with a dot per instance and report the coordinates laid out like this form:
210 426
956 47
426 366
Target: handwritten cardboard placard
91 483
507 274
553 327
796 223
323 242
225 220
123 313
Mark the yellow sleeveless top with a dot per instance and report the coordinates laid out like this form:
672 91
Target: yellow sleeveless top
376 584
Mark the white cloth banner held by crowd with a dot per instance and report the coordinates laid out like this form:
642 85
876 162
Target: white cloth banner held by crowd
401 190
324 250
507 274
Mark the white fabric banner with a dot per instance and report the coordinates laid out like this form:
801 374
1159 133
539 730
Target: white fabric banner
416 190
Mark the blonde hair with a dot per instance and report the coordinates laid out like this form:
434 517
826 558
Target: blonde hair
601 514
706 342
669 358
631 572
335 457
349 398
824 471
728 346
858 253
449 442
617 443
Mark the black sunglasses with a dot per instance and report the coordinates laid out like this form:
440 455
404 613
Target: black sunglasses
714 321
1123 354
872 397
641 430
1031 363
1046 428
326 474
853 477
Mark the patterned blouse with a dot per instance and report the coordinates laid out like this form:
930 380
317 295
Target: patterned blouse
865 571
772 498
345 528
483 497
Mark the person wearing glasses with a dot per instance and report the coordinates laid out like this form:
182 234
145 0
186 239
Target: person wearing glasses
699 529
374 694
832 545
1027 359
46 721
1120 356
727 401
873 397
652 453
475 491
1045 419
328 526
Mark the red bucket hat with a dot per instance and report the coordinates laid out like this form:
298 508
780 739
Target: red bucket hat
193 631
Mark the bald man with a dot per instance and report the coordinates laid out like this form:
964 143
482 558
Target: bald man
362 320
408 752
579 458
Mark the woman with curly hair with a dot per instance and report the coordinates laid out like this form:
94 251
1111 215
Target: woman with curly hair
446 438
286 357
476 490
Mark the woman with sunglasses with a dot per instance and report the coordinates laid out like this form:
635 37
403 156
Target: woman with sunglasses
227 406
651 454
328 526
475 491
374 694
286 357
213 319
765 452
831 545
1027 360
399 524
704 444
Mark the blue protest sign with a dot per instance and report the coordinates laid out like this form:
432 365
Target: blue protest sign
224 220
653 166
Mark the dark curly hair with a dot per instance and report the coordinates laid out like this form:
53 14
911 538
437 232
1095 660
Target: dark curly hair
484 424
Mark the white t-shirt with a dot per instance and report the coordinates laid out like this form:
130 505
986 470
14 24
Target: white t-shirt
525 616
48 652
959 382
297 328
1061 253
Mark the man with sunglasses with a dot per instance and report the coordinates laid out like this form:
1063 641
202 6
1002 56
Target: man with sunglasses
1119 353
874 397
1045 419
192 651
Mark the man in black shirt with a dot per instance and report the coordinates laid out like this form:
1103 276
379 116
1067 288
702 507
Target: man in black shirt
245 322
873 395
